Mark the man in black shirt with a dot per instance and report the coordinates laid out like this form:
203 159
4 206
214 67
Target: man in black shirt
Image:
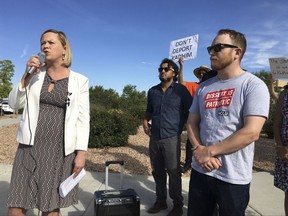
168 106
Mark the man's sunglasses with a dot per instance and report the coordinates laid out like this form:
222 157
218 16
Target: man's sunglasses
218 47
165 69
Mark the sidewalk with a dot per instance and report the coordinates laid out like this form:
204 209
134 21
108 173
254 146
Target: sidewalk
8 120
265 200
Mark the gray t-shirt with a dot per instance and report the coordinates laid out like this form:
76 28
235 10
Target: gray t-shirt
222 106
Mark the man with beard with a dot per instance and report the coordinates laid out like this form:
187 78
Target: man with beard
225 120
168 106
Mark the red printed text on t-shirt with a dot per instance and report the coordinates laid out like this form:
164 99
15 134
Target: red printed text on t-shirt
219 98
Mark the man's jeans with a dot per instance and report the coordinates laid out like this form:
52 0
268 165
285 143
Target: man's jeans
205 191
165 158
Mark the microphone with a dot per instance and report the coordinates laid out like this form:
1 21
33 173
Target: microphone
41 56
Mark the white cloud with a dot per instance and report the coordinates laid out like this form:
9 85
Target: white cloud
256 60
24 52
267 41
148 63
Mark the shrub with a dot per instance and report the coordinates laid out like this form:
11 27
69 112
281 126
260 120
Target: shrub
114 118
110 127
268 126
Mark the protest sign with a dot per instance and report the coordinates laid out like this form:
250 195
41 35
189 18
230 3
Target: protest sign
279 68
184 47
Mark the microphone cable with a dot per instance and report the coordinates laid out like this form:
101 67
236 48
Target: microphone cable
28 116
41 56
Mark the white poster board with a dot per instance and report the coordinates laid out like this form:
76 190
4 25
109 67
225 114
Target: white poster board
184 47
279 68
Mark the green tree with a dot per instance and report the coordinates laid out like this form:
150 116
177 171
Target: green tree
268 126
6 74
133 101
263 75
114 118
103 98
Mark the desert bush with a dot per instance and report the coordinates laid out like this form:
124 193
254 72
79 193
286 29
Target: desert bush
114 118
268 126
111 128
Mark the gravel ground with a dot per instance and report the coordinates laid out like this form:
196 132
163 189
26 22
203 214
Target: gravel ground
135 153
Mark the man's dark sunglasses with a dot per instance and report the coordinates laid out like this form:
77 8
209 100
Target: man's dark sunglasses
165 69
218 47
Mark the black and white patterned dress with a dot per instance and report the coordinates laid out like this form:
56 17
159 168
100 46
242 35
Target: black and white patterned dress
281 166
39 169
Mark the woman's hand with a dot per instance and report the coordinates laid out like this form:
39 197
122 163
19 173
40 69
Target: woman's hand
79 162
32 62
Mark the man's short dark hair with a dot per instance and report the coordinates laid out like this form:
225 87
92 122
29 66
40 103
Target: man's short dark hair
171 64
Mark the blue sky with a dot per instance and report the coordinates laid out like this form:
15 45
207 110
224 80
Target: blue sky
121 42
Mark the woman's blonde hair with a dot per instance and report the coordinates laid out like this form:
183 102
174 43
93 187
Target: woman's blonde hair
67 60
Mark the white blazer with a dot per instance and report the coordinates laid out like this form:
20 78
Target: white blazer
77 117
